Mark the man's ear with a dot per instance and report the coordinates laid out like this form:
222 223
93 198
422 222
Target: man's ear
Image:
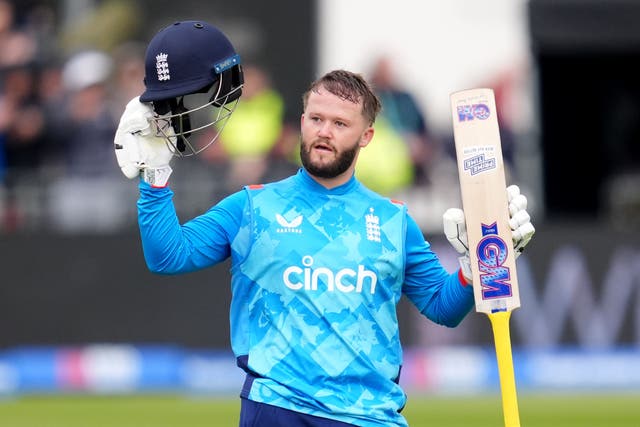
367 136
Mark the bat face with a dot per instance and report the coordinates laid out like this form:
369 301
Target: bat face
484 199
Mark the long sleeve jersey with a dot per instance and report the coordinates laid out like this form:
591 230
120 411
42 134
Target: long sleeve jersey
316 275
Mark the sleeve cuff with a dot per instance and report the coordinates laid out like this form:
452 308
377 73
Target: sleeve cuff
157 177
463 280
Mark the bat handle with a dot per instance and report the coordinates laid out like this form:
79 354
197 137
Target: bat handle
502 339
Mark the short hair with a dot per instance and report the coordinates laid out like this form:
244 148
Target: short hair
349 86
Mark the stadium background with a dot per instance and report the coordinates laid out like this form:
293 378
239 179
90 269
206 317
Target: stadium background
80 313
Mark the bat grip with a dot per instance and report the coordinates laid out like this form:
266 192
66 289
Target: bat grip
502 340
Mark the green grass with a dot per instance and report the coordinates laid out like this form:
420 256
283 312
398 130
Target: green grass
622 410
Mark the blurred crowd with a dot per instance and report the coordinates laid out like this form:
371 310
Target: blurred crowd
58 112
61 96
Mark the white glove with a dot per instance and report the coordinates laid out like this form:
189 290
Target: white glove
455 229
139 151
519 221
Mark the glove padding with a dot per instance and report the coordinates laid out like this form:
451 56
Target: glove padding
455 229
519 221
138 149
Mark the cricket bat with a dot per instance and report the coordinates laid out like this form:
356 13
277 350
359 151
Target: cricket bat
484 200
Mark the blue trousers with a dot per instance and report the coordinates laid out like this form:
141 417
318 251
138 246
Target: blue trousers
254 414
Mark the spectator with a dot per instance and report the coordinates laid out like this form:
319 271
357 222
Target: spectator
85 133
128 75
16 46
253 133
88 124
387 165
401 110
52 99
17 51
21 119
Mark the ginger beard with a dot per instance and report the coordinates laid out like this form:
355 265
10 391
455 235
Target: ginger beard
331 163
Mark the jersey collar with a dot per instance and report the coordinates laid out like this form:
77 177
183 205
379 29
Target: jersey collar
309 182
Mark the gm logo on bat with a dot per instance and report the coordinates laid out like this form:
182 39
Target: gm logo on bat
495 278
473 111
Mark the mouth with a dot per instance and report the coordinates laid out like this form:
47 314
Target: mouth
323 147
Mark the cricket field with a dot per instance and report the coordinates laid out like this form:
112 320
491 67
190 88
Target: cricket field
552 410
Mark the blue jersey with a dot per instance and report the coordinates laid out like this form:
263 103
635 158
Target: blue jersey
316 277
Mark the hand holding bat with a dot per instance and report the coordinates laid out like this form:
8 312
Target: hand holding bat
522 230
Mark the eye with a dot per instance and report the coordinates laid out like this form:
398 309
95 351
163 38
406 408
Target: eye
340 124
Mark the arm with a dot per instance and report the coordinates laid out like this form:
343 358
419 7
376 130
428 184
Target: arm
442 297
171 248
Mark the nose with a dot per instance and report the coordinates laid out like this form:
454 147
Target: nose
324 130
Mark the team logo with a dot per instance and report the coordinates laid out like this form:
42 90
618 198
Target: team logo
292 226
162 67
373 226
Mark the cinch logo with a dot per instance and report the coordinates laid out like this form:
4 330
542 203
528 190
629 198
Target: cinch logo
495 278
475 111
345 280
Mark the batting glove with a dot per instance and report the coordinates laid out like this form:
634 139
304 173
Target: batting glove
519 220
455 229
139 150
522 230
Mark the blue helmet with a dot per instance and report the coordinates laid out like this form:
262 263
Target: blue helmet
193 78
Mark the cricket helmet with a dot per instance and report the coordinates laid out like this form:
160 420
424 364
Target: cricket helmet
193 79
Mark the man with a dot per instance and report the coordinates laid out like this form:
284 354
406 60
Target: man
318 261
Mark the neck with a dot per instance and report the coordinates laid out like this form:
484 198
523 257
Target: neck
330 183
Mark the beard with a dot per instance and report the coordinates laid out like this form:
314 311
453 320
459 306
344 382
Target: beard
332 169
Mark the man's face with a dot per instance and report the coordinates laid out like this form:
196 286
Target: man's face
332 132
